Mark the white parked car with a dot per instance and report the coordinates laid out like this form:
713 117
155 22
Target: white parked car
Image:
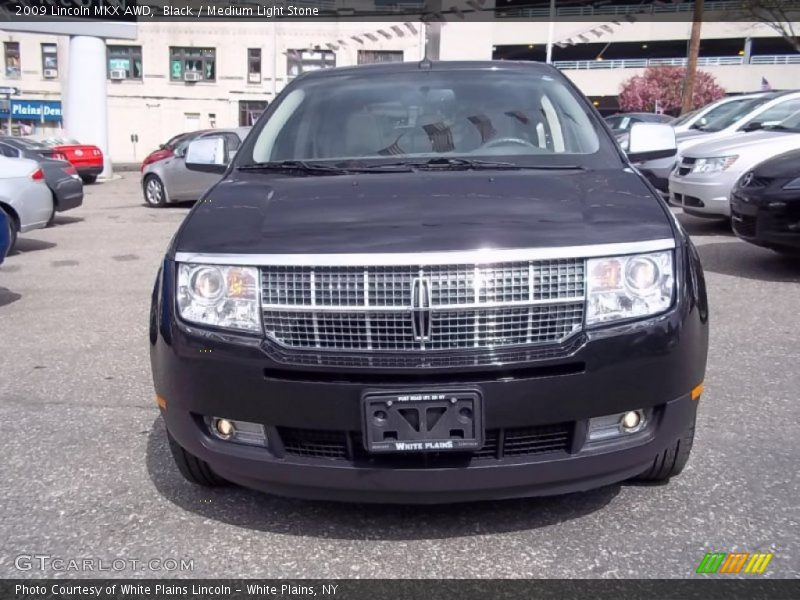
24 195
710 112
705 175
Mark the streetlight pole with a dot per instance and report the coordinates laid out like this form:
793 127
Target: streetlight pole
550 31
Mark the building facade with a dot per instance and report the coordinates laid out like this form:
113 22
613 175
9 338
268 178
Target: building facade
181 76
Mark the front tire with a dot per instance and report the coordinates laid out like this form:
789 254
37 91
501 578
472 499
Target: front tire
154 193
672 460
192 468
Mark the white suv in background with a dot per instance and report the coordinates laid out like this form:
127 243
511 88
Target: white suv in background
702 182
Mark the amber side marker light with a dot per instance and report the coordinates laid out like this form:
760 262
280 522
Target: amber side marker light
697 391
162 404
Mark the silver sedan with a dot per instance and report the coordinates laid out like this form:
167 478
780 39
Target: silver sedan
24 195
168 180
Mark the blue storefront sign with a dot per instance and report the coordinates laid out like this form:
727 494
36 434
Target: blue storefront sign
33 110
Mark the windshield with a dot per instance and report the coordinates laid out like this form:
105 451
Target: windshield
776 114
174 141
179 149
729 113
684 118
60 142
622 122
26 144
420 115
791 124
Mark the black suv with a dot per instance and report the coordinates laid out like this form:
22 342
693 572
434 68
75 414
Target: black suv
429 282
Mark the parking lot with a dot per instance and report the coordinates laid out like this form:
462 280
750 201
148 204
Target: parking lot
87 473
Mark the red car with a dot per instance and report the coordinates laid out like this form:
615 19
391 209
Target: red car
168 149
87 159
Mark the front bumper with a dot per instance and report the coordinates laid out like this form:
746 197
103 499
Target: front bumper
703 195
657 172
89 170
772 222
651 364
472 479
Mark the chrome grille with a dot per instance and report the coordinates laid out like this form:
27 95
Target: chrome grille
686 165
471 306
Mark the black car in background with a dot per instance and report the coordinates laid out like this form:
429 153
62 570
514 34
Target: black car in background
765 204
430 282
60 176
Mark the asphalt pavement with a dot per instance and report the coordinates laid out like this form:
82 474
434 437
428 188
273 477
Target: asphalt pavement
86 472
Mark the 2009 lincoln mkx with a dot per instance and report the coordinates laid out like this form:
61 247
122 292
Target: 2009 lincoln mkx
429 282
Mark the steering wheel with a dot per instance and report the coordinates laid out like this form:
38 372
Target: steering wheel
509 140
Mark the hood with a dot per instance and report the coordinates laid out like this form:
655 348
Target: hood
690 134
766 143
269 213
785 165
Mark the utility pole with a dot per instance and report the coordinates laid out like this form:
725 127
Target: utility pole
432 27
691 61
550 28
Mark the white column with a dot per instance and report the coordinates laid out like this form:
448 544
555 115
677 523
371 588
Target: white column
86 102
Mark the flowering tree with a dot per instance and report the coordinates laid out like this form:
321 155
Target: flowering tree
661 87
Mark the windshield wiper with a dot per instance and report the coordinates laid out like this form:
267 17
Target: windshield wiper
294 165
433 164
452 163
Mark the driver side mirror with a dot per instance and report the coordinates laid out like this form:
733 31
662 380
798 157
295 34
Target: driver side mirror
753 126
208 155
650 141
700 123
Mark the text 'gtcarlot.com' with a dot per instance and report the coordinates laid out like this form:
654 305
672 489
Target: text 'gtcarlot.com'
47 562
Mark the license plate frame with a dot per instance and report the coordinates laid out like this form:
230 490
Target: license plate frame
422 421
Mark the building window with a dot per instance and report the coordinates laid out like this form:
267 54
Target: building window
250 111
49 61
124 62
254 65
192 64
368 57
12 60
300 61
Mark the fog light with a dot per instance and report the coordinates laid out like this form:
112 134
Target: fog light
224 428
616 425
241 432
631 420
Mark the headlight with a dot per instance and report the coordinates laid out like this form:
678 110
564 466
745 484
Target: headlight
628 287
713 165
794 184
219 296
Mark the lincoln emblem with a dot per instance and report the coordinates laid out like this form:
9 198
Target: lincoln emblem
421 308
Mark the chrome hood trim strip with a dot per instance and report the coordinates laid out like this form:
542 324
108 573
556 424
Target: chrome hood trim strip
477 257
